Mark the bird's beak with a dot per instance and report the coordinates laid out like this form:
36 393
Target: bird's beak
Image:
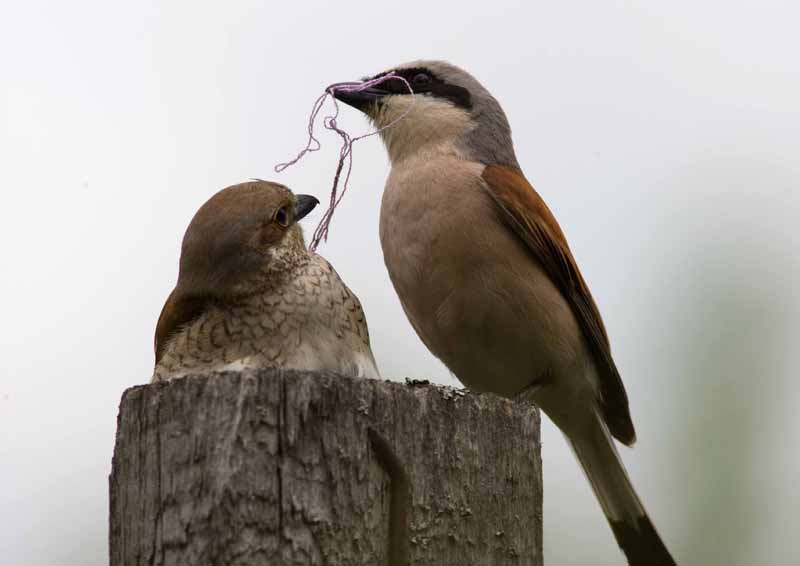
361 99
303 205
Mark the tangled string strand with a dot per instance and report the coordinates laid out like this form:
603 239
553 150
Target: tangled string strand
346 150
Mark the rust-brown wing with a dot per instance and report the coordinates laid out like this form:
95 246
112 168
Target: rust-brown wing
178 311
528 215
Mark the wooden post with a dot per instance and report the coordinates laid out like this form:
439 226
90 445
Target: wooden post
303 468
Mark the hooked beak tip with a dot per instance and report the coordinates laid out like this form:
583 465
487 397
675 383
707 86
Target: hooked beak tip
359 99
304 205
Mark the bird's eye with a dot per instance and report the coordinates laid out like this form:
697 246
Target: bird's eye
282 216
421 79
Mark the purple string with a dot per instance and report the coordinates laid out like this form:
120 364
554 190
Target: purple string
346 151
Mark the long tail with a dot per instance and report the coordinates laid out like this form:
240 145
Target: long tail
632 528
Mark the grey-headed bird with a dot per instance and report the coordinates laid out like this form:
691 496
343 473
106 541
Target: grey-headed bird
486 277
250 295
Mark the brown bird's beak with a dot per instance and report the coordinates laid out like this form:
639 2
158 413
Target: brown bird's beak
303 205
361 99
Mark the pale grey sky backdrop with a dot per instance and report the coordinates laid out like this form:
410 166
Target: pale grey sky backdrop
664 137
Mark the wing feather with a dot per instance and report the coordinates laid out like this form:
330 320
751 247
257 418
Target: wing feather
527 214
178 311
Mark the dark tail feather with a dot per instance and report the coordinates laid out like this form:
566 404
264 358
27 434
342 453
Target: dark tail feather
632 528
641 543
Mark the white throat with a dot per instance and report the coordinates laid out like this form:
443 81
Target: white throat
431 127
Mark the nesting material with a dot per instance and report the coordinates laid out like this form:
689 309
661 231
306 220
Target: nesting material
346 151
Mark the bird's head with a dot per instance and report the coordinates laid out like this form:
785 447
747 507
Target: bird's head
241 231
449 109
238 239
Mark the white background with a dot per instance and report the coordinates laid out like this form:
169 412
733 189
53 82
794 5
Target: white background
665 139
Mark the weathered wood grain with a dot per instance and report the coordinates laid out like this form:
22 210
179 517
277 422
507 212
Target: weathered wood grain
291 468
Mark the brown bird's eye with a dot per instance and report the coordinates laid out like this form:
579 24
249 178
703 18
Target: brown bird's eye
282 216
421 79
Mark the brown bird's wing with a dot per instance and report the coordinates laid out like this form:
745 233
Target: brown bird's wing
178 311
528 215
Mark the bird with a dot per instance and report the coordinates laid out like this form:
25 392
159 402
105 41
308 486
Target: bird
487 280
250 295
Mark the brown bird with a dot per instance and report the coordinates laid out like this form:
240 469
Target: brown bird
487 279
250 295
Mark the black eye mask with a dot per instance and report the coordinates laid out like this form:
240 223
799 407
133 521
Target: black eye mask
431 85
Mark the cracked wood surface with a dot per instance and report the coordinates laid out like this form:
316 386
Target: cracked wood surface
299 468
